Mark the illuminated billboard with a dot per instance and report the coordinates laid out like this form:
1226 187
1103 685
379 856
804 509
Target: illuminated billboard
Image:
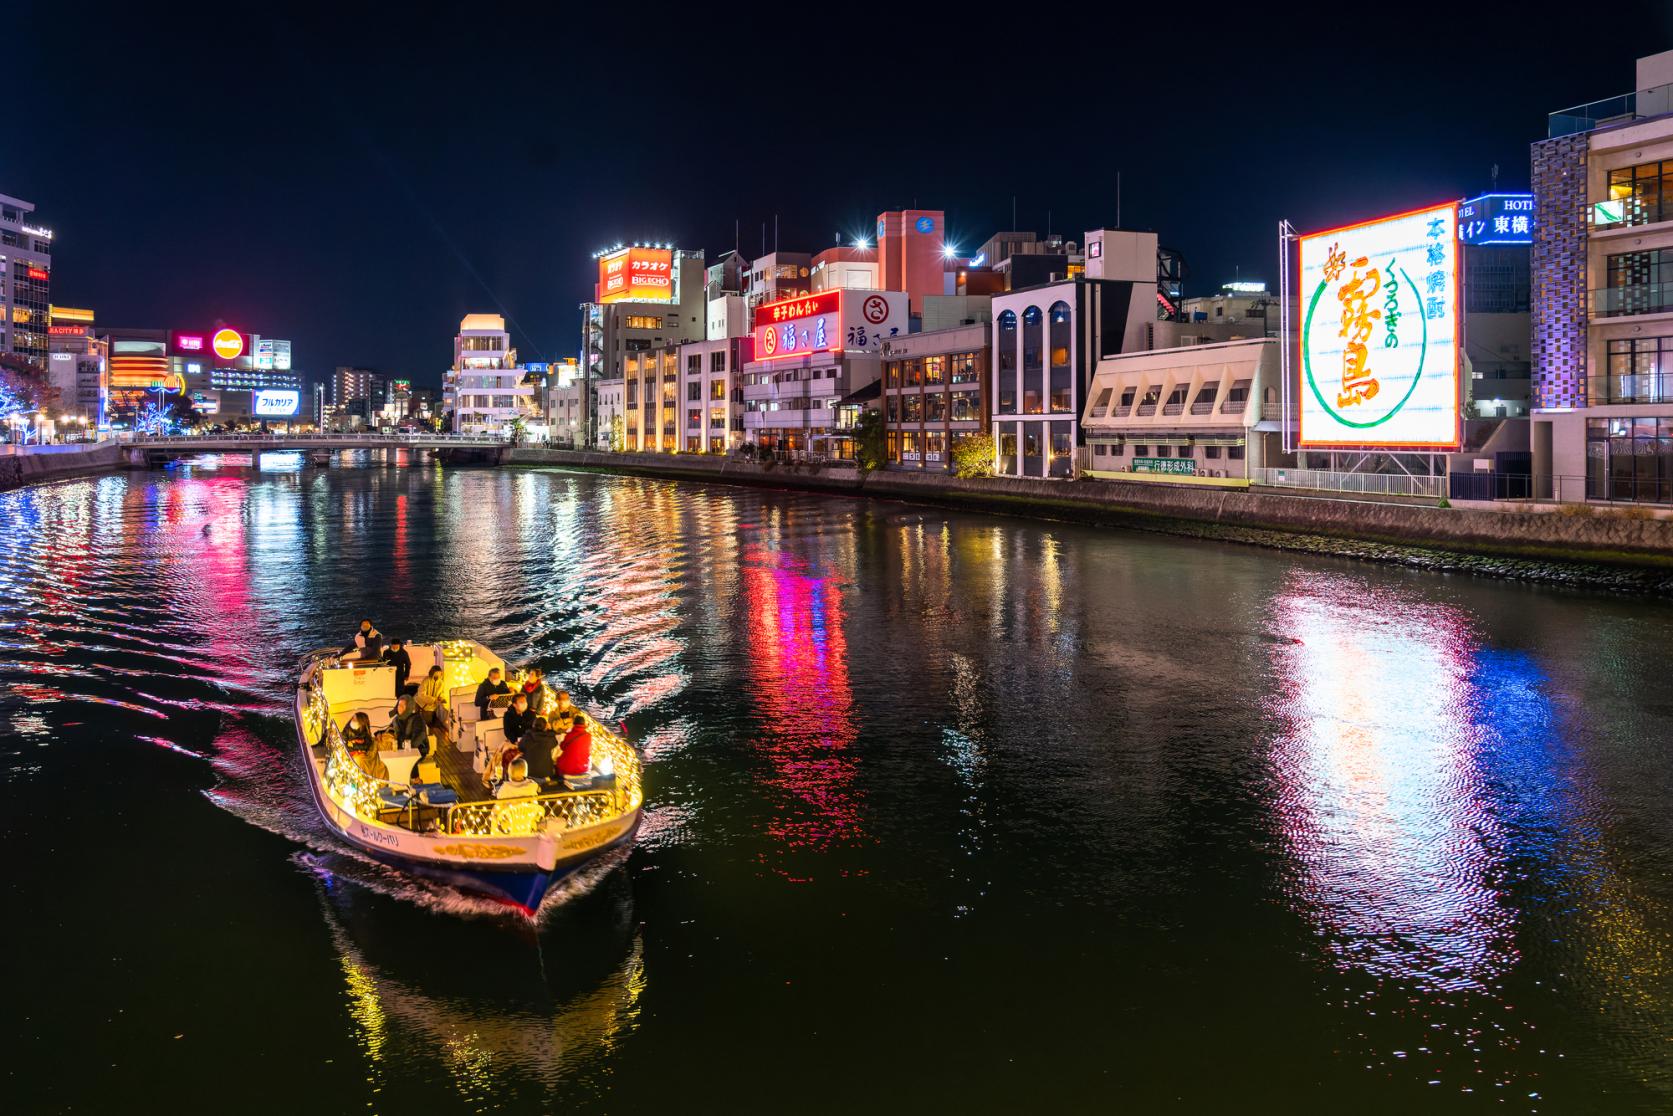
1497 219
275 403
1379 334
829 321
636 275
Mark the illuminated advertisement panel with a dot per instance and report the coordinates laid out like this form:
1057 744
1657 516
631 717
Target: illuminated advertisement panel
846 319
275 403
636 275
1497 219
1379 334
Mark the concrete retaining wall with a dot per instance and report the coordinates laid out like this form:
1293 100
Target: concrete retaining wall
34 464
1603 536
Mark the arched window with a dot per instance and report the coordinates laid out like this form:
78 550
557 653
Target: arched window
1033 371
1005 352
1061 392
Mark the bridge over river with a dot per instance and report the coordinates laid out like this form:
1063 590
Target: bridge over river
139 450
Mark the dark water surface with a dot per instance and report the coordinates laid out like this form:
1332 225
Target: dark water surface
946 812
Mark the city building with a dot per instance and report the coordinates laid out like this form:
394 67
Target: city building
1048 338
726 281
485 390
76 366
711 393
913 254
647 297
842 267
935 391
1602 296
25 282
1210 410
652 401
355 385
810 353
776 276
217 369
1240 302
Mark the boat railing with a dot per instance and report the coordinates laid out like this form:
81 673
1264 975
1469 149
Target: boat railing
371 798
571 809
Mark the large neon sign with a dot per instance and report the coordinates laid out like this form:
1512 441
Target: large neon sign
1379 333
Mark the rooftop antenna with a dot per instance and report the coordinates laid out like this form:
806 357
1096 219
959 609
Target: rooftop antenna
1495 178
1118 199
763 238
1013 211
737 237
775 232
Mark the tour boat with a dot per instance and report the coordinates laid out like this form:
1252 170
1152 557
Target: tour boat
438 821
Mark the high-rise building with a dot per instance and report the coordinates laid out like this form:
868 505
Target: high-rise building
25 282
648 296
356 385
485 389
1602 296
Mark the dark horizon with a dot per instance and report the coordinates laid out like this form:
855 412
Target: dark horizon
359 199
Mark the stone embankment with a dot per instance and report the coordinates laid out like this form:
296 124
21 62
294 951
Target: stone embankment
21 465
1599 548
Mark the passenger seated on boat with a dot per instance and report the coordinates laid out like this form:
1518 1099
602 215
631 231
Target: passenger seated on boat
539 747
432 700
397 657
517 718
575 761
491 687
517 782
357 733
367 644
560 706
409 728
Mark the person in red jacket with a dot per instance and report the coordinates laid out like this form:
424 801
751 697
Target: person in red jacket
575 759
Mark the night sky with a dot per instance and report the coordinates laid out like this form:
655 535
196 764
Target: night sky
356 183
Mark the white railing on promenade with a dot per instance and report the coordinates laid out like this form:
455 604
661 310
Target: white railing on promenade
1364 484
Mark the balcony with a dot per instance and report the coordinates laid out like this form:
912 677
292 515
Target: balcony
1147 408
1233 406
1640 298
1173 408
1645 103
1203 407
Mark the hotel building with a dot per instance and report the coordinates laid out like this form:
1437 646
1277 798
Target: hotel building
1602 297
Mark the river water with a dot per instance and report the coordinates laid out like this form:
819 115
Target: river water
946 811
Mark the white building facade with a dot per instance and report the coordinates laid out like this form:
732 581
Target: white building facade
1209 411
485 388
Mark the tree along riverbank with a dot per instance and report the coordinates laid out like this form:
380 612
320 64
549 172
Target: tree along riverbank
1596 548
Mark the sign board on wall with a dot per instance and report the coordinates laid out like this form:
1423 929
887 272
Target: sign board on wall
636 275
829 321
1379 334
1497 219
275 403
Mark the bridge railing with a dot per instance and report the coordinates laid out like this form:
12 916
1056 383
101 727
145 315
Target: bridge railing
136 438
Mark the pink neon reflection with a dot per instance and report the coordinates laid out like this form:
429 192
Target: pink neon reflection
798 657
